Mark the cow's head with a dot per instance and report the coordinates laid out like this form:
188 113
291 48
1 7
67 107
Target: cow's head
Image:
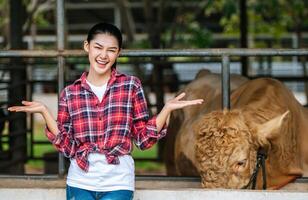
226 147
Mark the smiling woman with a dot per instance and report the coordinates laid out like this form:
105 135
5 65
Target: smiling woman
99 116
103 50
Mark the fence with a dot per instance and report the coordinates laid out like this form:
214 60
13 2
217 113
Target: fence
224 54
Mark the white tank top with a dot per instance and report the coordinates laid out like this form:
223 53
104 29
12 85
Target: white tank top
102 176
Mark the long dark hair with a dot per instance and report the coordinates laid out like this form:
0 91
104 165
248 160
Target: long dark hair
106 28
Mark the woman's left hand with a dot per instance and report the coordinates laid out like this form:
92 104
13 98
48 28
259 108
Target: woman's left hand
173 104
177 103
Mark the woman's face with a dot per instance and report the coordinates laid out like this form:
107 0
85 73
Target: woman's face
103 50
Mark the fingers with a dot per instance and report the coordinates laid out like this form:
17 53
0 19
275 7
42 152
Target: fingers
197 101
27 103
193 102
180 96
15 109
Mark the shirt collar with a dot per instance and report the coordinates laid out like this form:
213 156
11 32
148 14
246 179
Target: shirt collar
83 78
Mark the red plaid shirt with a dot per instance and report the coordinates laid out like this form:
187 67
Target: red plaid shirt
87 125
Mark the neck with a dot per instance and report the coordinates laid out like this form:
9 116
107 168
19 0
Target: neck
98 79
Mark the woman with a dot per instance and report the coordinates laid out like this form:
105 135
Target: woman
98 117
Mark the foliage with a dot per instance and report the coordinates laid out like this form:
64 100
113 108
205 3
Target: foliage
35 9
192 35
3 19
274 17
185 30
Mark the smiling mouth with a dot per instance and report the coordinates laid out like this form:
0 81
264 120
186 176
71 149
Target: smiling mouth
102 62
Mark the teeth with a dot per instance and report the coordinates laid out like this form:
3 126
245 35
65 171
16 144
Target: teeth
101 62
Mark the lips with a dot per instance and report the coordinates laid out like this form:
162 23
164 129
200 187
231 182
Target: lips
104 63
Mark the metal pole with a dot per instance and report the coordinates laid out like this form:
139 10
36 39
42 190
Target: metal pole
18 73
244 33
225 82
61 63
160 52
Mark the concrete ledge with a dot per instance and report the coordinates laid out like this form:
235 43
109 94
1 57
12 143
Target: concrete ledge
148 188
191 194
182 194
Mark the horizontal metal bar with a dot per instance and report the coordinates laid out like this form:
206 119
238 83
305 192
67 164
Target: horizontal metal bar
41 53
215 52
29 177
138 178
147 83
162 52
38 62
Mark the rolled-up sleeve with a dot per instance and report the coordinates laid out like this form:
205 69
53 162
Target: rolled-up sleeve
63 141
144 130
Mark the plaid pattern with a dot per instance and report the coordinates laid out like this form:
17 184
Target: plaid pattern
87 125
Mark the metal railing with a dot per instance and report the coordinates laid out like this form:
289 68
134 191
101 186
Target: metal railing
224 54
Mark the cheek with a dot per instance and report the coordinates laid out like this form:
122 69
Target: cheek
113 56
94 52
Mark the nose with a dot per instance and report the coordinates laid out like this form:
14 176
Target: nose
103 53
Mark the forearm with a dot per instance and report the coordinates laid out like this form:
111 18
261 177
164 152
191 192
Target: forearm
50 121
162 118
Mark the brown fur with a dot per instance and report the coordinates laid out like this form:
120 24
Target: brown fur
206 86
217 142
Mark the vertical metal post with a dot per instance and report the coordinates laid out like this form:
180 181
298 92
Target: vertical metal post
244 33
17 91
294 46
225 82
61 63
117 16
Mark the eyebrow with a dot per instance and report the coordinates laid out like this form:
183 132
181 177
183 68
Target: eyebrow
103 46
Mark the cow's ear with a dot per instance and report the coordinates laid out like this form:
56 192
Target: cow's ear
270 129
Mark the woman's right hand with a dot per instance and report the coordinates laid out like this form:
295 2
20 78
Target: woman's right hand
38 107
29 107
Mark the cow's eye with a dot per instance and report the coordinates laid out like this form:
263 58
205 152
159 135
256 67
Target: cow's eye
242 163
240 166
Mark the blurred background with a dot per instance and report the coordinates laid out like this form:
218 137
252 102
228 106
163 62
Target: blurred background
146 24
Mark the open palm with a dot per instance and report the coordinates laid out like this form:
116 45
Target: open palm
177 103
29 107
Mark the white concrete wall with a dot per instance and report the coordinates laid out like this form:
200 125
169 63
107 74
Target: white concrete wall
183 194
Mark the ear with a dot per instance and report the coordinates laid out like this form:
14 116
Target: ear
86 46
270 129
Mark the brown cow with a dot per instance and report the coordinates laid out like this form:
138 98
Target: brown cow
220 146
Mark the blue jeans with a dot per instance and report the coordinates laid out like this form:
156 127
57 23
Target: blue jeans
73 193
